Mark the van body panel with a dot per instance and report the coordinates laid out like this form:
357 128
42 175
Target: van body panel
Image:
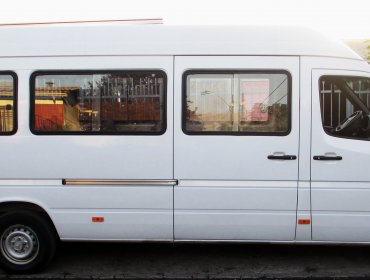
118 224
236 195
227 210
227 157
341 226
235 205
234 225
135 212
152 40
339 189
94 197
87 156
131 212
341 198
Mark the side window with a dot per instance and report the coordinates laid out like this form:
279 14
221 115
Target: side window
8 112
243 103
345 103
119 102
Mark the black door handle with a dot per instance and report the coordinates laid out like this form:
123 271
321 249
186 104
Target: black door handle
327 158
283 157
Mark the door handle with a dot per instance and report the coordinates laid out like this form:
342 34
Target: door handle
282 157
327 157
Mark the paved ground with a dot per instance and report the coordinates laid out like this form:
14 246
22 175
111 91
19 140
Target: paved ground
234 261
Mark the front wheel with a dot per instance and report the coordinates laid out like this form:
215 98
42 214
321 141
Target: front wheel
27 241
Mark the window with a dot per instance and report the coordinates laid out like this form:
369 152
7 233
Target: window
242 103
8 112
345 106
115 102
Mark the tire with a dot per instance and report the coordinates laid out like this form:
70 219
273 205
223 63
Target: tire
27 242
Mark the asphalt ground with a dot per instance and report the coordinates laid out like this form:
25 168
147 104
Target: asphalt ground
204 261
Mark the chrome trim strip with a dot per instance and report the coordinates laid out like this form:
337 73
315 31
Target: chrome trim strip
84 182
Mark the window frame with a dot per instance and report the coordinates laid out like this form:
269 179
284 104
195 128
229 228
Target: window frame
236 71
15 103
35 74
321 109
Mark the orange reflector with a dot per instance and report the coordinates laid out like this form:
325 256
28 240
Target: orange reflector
304 221
97 219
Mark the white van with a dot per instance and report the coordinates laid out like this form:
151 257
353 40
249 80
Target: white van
179 134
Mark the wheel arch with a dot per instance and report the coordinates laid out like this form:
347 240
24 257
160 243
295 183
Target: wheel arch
16 205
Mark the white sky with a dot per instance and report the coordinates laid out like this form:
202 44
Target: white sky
338 18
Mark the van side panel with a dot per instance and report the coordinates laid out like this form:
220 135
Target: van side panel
340 189
130 213
235 210
36 164
86 156
228 188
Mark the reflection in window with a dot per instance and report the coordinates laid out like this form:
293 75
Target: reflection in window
118 102
237 102
345 104
7 114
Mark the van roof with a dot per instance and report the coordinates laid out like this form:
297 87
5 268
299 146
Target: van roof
77 40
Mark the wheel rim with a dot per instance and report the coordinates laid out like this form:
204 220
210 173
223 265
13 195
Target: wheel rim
19 244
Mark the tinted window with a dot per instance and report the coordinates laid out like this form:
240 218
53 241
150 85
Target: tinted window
99 103
345 106
7 104
237 103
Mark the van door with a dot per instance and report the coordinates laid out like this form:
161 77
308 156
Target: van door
340 156
236 145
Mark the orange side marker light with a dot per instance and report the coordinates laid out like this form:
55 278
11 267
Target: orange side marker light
97 219
304 221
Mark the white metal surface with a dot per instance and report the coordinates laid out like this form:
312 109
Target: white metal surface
130 213
227 210
340 189
135 212
303 231
253 197
83 40
82 156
